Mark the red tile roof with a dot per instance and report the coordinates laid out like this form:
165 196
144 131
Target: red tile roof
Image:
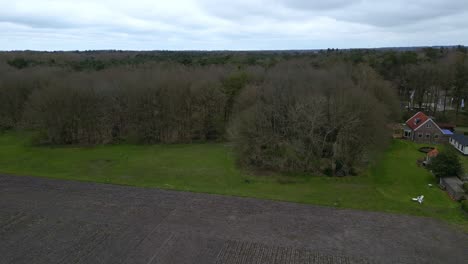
417 120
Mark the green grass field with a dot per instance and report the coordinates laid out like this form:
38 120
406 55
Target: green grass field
388 186
461 130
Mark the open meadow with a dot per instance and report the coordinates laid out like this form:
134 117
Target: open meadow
210 168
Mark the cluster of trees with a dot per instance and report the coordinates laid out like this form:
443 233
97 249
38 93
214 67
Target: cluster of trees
289 111
432 84
305 119
431 79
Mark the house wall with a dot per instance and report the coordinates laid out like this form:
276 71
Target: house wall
408 134
458 146
429 133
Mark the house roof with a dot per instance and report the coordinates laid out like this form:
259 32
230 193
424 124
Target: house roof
454 183
447 132
462 139
417 120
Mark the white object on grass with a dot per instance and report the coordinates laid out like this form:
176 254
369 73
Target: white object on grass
419 199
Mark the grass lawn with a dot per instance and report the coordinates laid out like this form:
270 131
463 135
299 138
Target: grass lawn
388 186
461 130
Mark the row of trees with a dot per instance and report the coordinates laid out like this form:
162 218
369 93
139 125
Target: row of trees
425 79
433 85
294 116
164 104
100 60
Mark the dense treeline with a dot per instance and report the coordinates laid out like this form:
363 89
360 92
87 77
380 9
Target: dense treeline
99 60
434 80
321 112
163 104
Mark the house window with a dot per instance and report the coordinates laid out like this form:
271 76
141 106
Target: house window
428 125
428 135
420 135
436 136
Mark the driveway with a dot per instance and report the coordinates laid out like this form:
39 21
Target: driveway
55 221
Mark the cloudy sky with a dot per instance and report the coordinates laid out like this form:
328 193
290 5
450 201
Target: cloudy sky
230 25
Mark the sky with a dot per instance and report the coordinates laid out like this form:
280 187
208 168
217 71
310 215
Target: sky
230 25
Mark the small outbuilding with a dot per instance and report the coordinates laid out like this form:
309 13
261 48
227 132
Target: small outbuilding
460 142
453 186
397 130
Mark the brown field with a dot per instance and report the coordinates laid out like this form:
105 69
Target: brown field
55 221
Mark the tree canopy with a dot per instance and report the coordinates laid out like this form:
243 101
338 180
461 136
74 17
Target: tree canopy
446 164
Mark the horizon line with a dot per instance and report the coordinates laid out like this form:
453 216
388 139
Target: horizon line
234 50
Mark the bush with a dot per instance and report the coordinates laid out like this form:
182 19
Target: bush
465 187
446 164
465 205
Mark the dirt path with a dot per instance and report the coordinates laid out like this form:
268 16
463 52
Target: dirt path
54 221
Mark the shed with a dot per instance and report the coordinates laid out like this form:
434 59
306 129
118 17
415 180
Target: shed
460 142
453 186
397 130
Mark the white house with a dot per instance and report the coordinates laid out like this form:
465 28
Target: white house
460 142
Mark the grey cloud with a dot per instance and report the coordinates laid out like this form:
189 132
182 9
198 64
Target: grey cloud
37 22
208 24
375 13
399 12
318 5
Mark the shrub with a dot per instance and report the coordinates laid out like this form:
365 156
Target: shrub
19 63
446 164
465 187
465 205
